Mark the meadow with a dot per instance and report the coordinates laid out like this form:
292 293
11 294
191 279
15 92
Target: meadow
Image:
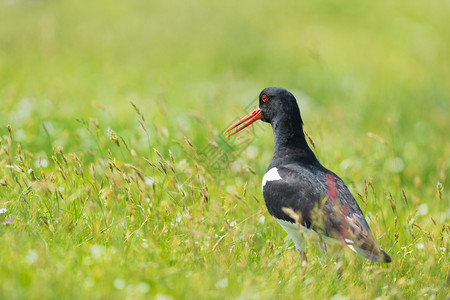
117 183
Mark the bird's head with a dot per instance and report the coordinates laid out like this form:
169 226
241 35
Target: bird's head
274 104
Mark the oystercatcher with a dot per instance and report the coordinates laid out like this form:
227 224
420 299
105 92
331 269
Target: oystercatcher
299 192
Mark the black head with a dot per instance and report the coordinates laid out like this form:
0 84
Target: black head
276 103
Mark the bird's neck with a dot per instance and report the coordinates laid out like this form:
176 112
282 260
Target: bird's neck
290 141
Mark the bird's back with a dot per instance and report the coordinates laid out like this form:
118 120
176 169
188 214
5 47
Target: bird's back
322 202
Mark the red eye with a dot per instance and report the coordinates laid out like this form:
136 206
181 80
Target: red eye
264 98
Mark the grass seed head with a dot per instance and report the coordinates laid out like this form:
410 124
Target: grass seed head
440 190
113 137
10 131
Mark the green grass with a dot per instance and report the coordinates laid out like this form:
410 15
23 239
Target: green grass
105 180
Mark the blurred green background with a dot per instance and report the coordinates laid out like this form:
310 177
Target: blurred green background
373 83
355 68
195 53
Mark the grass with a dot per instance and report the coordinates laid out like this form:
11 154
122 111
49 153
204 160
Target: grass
115 181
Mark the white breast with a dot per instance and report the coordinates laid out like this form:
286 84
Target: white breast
294 233
299 236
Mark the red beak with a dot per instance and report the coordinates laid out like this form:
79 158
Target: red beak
250 118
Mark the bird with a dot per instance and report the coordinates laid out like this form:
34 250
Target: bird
299 192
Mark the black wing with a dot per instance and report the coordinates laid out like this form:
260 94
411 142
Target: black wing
321 201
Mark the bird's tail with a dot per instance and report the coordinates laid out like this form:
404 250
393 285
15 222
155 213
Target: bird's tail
376 255
360 239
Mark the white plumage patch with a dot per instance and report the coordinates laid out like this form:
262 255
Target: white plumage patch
350 244
351 248
271 175
348 241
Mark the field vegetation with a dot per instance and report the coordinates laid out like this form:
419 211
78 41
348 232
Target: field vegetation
116 181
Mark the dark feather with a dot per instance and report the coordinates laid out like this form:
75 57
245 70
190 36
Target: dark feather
305 190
